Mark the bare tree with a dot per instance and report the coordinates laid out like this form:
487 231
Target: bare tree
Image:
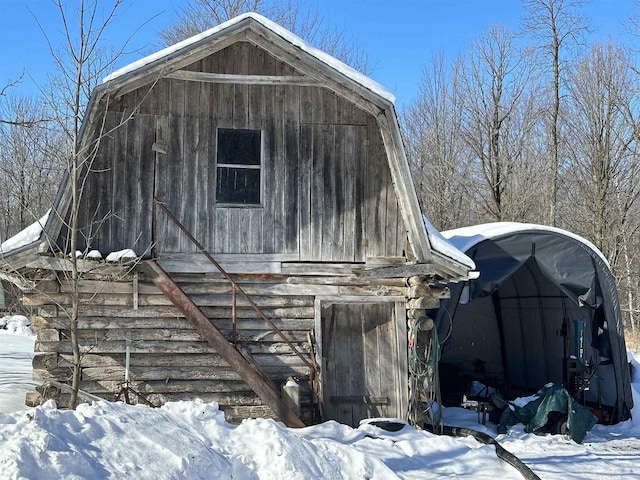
82 62
437 155
298 16
6 118
557 27
603 181
494 88
30 163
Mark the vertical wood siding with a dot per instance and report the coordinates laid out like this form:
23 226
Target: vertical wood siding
327 189
359 379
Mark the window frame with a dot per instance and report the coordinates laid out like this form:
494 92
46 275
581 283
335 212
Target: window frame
240 166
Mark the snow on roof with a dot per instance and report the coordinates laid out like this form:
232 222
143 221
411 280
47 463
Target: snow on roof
467 237
126 254
25 237
334 63
441 245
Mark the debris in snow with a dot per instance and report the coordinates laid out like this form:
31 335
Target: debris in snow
16 325
122 255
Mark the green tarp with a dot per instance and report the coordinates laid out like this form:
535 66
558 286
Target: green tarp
554 410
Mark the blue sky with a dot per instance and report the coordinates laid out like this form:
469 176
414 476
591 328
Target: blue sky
400 36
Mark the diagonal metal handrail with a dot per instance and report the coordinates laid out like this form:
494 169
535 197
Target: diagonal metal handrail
234 284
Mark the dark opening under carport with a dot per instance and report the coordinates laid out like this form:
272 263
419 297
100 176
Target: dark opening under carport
544 309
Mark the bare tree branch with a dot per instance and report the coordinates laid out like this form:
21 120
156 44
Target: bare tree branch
298 16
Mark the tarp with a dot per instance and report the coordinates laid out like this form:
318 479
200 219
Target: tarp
545 300
552 411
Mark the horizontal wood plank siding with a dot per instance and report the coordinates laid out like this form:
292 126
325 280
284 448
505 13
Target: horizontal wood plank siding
169 358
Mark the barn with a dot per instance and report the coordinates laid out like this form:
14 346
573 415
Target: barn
264 232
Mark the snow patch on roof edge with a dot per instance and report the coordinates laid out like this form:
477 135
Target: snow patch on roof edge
334 63
444 247
466 238
25 237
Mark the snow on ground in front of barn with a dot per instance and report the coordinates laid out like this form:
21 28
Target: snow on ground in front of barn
192 440
16 353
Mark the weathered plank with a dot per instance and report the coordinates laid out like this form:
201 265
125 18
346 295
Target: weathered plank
274 368
98 346
84 266
291 171
225 323
172 312
326 134
388 374
345 281
339 180
164 359
243 79
172 335
115 311
101 286
139 346
201 299
173 386
398 271
194 146
325 268
165 374
316 187
301 289
177 266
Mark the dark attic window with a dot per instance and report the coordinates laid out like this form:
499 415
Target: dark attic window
238 166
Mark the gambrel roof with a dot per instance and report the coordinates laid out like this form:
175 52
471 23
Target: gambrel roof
315 68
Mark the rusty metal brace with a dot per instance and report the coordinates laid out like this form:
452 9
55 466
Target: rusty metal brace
235 285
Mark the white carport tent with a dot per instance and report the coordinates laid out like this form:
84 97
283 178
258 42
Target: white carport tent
506 326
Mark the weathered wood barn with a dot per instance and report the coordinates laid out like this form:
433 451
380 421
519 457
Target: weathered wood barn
264 188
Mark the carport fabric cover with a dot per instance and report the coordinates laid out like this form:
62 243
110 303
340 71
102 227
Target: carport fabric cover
571 264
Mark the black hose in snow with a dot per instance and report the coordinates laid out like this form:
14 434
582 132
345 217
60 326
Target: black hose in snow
502 454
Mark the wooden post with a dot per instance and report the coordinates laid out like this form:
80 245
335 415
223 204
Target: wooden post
249 371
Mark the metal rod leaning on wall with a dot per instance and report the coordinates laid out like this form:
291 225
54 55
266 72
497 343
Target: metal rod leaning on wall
234 284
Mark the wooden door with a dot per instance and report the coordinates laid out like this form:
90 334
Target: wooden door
364 362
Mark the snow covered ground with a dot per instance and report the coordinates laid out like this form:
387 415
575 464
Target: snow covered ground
192 440
16 352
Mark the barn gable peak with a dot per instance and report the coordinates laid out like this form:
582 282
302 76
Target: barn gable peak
261 31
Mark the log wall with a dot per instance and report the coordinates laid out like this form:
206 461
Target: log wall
169 359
